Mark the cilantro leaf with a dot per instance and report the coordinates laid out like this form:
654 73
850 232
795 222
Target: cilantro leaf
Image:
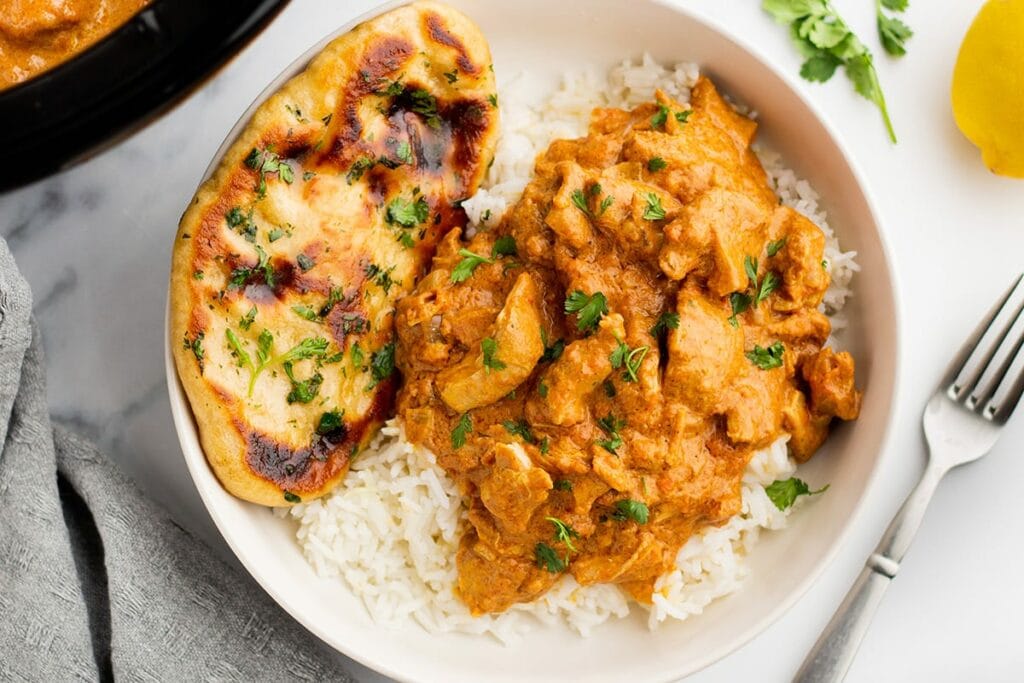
519 428
631 509
248 319
580 200
894 34
767 358
553 352
654 210
548 559
588 309
610 425
303 391
821 67
659 119
462 429
330 422
425 104
382 363
739 303
489 348
769 284
464 268
358 168
655 164
775 247
783 493
291 497
564 533
669 320
504 246
407 214
305 312
563 485
896 5
826 42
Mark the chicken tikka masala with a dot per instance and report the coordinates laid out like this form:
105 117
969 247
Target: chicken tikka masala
596 372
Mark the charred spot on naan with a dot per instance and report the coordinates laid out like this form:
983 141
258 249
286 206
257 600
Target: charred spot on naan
308 468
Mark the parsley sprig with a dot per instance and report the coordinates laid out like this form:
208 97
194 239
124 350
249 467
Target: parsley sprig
826 42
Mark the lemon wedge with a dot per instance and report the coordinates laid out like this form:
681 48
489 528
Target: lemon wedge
988 86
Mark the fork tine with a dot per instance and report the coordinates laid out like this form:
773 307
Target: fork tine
984 395
1000 411
970 348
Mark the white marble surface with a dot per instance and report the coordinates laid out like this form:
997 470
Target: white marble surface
95 246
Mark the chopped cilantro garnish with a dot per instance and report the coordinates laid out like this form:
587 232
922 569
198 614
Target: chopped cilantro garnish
548 559
653 211
358 168
330 421
784 492
588 308
305 312
767 358
655 164
247 320
553 352
610 425
519 428
669 320
407 214
631 509
462 429
464 269
305 262
564 533
775 247
489 347
504 246
303 391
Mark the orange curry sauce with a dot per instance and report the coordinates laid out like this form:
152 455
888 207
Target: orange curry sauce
36 35
597 371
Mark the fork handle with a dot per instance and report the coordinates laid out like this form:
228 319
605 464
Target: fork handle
833 653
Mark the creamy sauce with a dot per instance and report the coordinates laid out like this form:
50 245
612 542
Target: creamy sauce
598 373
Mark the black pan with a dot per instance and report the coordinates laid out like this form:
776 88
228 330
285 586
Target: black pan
121 83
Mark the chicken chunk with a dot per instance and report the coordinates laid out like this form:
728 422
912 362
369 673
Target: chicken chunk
572 378
517 348
830 376
513 488
703 354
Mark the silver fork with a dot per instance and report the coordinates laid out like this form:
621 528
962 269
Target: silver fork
962 422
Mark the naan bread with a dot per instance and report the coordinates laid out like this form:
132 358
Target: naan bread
324 212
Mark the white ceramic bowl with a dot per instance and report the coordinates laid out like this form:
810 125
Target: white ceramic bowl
547 38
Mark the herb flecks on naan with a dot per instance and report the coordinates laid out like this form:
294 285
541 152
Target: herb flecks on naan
324 212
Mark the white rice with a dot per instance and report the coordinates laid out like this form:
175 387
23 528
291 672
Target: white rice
390 531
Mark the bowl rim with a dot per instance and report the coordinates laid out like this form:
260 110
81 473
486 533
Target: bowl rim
184 424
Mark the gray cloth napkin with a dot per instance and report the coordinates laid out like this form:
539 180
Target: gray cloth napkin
96 583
